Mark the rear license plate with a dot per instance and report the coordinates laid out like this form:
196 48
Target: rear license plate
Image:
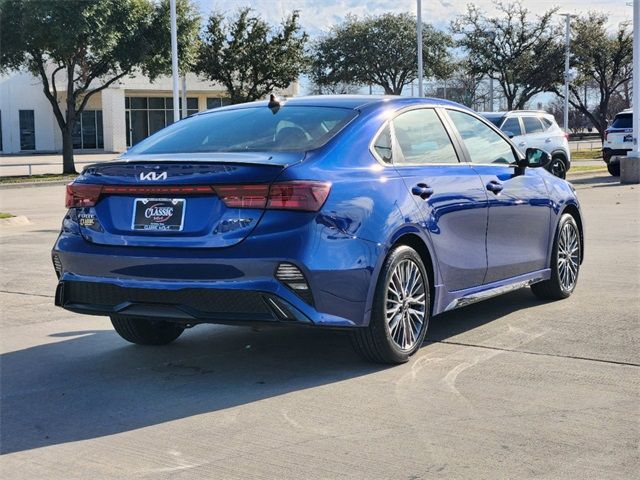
158 214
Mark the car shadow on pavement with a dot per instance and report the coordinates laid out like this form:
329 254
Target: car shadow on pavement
597 180
88 384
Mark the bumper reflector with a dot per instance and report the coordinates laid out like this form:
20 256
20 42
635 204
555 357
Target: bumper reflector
57 264
293 278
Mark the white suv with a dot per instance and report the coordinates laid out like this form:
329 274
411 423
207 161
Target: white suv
618 140
538 129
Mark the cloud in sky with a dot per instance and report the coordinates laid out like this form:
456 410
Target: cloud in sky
318 15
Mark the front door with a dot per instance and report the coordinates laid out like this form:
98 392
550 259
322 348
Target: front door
519 208
449 195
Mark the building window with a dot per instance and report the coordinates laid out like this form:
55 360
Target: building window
215 102
144 116
87 132
27 130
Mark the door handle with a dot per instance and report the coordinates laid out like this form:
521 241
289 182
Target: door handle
422 190
547 140
522 144
495 186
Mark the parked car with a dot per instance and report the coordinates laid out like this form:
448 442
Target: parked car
532 128
618 140
354 212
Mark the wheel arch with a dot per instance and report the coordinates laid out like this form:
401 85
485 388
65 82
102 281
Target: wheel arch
573 210
417 243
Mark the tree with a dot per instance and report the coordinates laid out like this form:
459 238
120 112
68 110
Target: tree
85 45
379 51
464 87
188 22
524 55
602 60
249 57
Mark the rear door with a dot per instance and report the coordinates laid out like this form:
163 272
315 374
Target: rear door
449 195
535 133
519 212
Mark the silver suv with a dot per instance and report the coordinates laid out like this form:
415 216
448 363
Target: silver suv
618 140
538 129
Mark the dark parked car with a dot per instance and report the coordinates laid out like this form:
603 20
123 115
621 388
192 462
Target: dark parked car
355 212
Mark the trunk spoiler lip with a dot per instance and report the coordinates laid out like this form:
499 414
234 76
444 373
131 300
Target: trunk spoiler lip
282 159
277 159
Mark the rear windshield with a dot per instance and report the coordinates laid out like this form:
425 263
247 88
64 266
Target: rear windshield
495 119
254 129
623 121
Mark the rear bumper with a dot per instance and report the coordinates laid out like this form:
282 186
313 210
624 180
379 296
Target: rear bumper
186 305
610 155
230 285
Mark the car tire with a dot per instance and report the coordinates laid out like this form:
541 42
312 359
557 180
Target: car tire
558 167
146 332
614 169
565 262
403 287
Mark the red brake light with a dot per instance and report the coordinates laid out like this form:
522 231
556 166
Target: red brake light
303 195
243 196
79 195
606 134
298 195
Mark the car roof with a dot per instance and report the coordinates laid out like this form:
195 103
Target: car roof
347 101
513 112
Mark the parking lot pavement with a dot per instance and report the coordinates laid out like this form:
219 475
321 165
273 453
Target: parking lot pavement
509 388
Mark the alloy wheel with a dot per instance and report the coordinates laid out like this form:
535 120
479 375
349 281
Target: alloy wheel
568 256
406 304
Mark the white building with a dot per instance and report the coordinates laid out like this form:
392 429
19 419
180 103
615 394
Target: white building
114 119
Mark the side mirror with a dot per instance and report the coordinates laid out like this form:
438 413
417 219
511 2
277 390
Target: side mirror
535 158
509 133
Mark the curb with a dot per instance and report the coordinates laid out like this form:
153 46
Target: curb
33 184
18 221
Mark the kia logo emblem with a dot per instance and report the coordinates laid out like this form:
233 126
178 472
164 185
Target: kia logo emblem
153 176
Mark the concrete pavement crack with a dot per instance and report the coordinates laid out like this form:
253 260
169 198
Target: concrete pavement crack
27 294
528 352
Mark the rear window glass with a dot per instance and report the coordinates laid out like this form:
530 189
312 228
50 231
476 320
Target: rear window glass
623 121
254 129
547 123
532 125
495 119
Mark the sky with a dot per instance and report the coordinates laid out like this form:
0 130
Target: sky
318 15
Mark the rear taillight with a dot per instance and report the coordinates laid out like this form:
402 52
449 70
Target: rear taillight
298 195
303 195
243 196
606 134
79 195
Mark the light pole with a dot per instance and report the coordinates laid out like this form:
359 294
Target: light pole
174 60
567 74
636 78
420 69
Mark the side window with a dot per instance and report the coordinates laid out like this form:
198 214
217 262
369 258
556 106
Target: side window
484 145
422 138
382 145
547 123
512 125
532 125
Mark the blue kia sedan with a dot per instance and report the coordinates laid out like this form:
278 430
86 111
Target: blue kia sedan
347 212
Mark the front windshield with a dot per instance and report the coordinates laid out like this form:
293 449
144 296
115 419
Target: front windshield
289 129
